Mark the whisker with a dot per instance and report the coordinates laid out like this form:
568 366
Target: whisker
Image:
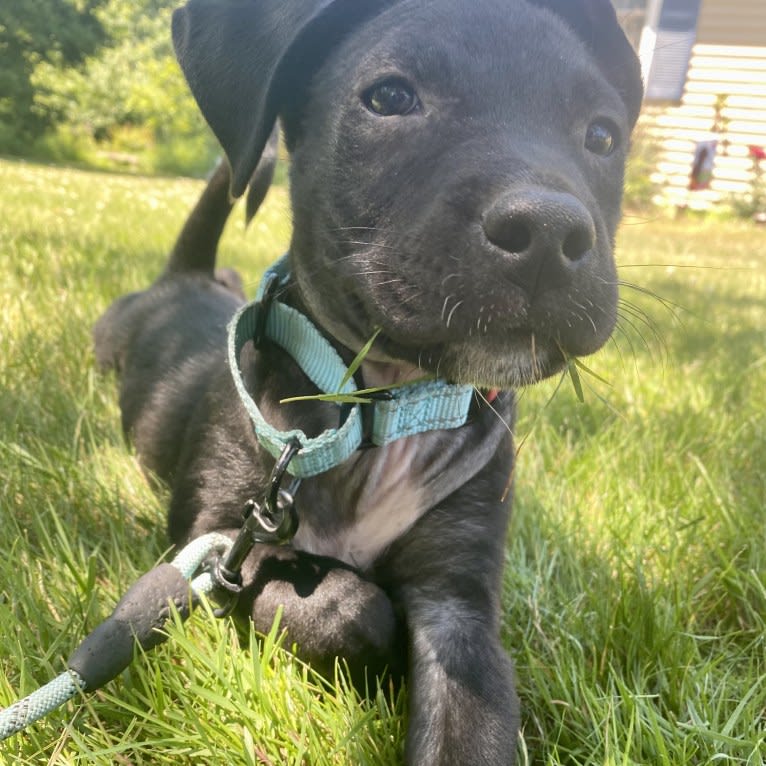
533 353
635 329
478 393
617 348
370 245
354 228
535 421
638 220
682 266
626 335
605 401
373 272
452 313
416 295
639 314
586 315
670 306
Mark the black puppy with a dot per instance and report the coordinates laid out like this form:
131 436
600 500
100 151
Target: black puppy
456 175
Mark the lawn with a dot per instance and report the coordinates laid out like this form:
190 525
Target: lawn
635 600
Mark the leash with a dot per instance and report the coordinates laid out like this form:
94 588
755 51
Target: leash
372 420
136 619
211 564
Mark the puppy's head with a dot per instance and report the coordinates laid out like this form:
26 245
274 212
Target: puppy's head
456 169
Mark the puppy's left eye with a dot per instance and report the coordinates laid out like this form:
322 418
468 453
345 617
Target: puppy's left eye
601 138
391 98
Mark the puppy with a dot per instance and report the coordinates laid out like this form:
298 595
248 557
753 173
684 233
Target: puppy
456 174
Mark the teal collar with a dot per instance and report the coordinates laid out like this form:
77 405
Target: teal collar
411 409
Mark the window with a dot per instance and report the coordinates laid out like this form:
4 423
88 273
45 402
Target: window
666 46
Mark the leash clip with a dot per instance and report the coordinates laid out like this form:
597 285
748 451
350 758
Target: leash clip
273 521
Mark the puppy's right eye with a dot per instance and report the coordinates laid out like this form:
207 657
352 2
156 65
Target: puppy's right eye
391 98
601 138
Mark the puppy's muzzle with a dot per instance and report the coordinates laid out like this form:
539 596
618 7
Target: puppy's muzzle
546 237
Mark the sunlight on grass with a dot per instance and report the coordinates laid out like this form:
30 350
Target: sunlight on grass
635 591
638 549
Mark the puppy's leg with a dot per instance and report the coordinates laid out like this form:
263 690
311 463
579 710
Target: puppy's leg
463 706
464 711
328 611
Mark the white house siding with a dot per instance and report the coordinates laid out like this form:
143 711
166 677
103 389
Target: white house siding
729 60
733 22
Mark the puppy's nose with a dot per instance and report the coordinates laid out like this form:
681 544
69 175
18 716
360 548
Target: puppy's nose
547 236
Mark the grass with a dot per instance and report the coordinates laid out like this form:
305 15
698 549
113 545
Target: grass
635 600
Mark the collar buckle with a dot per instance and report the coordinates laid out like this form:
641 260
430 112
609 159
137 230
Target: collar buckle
368 411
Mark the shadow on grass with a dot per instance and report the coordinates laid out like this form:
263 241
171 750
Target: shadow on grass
601 643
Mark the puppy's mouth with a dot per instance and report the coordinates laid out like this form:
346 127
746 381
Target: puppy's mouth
518 359
490 335
496 337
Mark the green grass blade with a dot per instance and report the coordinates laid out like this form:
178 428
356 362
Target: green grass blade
358 359
574 376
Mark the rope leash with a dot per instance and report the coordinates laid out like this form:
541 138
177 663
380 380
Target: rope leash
145 609
109 649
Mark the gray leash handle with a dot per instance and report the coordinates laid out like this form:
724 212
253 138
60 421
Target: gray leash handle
137 619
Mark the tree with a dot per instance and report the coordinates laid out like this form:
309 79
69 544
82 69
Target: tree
130 89
58 32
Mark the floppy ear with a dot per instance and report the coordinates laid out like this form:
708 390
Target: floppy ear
595 22
241 57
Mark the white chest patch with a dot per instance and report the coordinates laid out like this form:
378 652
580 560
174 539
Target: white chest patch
389 503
